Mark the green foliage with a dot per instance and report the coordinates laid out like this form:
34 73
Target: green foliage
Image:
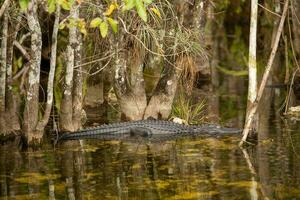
113 24
23 4
51 6
184 109
103 29
141 10
57 89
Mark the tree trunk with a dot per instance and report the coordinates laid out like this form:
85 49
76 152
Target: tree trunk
252 111
252 85
12 98
32 95
43 122
66 108
130 90
3 61
160 104
77 87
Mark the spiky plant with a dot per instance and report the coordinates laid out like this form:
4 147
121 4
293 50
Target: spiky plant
185 109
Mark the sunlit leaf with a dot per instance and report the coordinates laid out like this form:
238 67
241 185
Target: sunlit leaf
95 22
82 27
111 9
156 12
129 4
23 4
62 26
103 29
51 6
113 23
141 10
66 5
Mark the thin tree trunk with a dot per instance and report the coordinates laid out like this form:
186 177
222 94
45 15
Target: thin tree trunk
12 104
66 108
32 96
3 62
253 110
3 7
252 84
77 87
43 122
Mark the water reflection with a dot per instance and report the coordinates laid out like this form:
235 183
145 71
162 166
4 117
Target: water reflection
192 168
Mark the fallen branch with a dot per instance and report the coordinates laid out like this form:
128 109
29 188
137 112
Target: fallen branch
253 109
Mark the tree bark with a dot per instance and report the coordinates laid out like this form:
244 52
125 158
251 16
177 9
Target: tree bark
77 87
12 104
32 95
129 84
160 104
43 122
252 75
3 62
66 108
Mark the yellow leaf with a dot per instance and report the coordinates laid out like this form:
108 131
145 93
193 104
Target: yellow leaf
111 9
156 12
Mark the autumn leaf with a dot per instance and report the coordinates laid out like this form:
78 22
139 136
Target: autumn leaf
111 9
155 11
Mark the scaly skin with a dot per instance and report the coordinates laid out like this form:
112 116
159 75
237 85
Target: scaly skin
147 129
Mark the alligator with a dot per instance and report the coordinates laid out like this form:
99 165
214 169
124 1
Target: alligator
147 129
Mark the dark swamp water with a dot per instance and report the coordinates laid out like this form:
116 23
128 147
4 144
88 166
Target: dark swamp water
186 168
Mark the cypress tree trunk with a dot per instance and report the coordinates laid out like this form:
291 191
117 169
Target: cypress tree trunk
71 105
66 108
129 85
77 87
32 94
3 59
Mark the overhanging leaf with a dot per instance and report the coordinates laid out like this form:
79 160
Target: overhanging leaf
141 10
51 6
